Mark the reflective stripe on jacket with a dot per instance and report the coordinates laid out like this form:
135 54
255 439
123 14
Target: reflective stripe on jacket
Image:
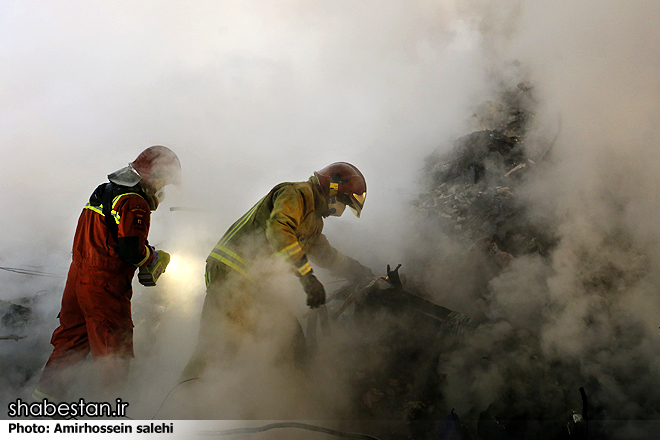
95 245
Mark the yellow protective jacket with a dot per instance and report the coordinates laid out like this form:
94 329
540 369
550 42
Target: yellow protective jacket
288 221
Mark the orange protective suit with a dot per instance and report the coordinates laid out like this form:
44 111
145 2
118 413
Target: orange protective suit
109 245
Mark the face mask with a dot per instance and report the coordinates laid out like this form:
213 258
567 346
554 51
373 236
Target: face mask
336 207
160 195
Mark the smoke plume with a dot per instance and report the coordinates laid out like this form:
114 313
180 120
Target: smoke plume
253 93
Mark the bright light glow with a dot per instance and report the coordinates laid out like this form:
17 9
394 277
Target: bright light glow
183 273
179 267
174 265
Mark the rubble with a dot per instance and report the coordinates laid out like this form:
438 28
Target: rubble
23 340
473 199
475 207
473 187
14 318
425 347
399 384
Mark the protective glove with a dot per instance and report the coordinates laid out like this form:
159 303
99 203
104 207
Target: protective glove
148 275
314 289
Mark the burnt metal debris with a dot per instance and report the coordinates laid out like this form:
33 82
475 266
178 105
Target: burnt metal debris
402 386
22 342
472 188
14 318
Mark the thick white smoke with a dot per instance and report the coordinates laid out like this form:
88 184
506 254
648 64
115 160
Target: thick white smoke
252 93
589 310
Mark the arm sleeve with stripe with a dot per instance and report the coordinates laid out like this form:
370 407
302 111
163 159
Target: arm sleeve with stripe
134 216
288 209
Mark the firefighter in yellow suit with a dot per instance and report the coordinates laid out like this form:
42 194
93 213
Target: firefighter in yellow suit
287 222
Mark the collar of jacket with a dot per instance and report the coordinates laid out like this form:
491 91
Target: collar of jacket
320 202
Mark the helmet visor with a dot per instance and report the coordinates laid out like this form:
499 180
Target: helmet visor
126 176
356 202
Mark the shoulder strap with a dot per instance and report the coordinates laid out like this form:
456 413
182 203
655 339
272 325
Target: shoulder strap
102 198
106 200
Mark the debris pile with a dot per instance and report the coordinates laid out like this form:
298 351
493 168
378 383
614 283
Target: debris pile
423 347
398 337
472 201
15 318
472 188
481 237
22 341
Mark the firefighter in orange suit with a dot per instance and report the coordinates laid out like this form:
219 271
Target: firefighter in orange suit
110 244
287 222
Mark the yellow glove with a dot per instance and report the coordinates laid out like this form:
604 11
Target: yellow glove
148 275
